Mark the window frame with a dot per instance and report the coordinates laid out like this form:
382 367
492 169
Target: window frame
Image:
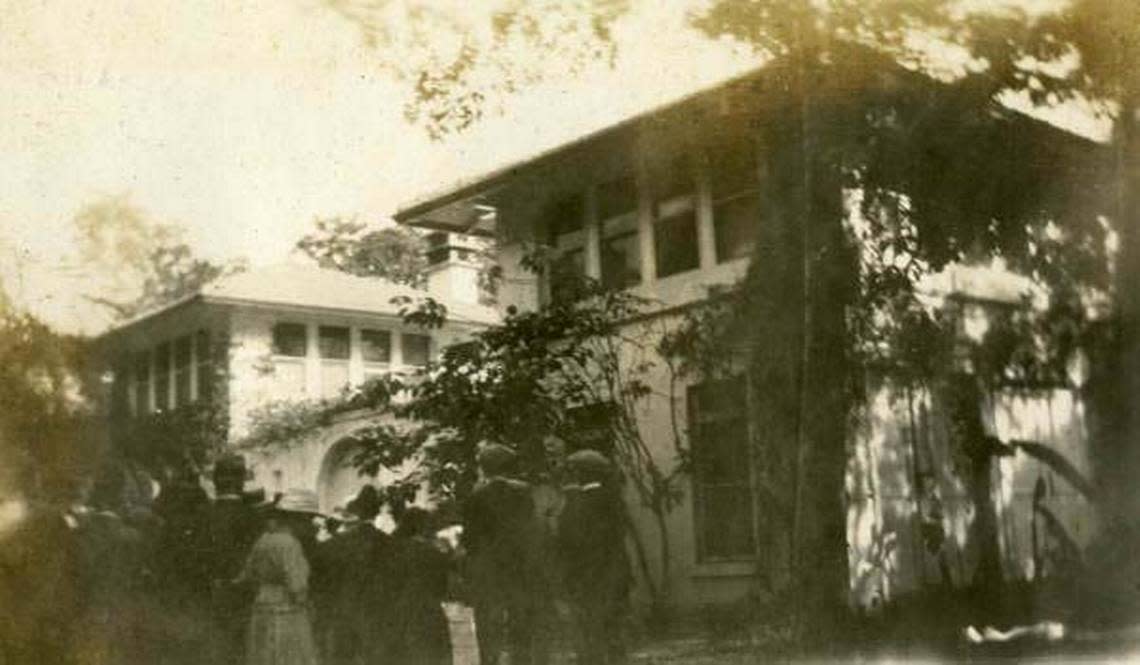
670 212
381 332
695 420
277 349
404 337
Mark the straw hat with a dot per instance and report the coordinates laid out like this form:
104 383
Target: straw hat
299 501
590 462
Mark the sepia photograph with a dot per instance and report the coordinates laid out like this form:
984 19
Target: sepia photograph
569 332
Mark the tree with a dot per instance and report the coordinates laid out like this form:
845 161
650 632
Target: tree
461 59
45 398
391 252
138 264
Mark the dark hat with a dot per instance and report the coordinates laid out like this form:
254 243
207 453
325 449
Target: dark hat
230 467
495 457
366 504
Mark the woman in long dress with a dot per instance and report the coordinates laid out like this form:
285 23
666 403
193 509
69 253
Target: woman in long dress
280 629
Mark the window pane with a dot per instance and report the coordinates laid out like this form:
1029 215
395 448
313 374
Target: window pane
205 366
162 377
621 261
289 339
590 427
182 371
565 215
726 529
142 383
333 342
617 198
722 470
416 348
735 223
376 346
566 275
121 390
675 241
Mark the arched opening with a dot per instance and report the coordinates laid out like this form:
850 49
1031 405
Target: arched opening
339 479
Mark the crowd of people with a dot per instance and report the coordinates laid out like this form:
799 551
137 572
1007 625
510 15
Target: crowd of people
238 579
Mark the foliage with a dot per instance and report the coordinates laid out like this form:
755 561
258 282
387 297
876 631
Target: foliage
135 263
395 253
462 59
45 399
193 434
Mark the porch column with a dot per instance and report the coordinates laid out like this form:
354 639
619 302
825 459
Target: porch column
312 361
645 214
593 235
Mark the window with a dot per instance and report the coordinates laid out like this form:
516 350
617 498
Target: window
121 389
736 201
675 238
182 369
620 248
416 348
438 248
567 273
333 343
290 339
205 365
376 346
142 383
721 471
566 219
162 377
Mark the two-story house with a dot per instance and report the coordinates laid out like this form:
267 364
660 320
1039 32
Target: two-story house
674 203
288 332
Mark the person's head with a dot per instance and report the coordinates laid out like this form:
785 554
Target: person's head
589 466
414 521
366 506
229 475
495 459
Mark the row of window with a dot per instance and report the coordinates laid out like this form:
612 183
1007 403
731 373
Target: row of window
335 343
734 179
169 375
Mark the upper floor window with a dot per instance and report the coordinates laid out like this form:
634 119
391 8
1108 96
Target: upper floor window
290 339
675 237
675 220
205 360
121 389
722 475
376 346
620 248
333 342
736 201
182 370
142 383
162 377
565 218
416 349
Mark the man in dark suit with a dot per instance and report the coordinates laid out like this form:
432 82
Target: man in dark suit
500 532
354 587
591 538
231 526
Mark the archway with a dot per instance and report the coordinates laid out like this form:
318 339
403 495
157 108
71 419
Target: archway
339 479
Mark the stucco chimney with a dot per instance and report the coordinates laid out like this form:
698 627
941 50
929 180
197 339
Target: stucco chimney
453 267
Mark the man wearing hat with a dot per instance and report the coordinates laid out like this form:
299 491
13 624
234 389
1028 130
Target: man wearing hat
500 535
591 538
231 526
357 586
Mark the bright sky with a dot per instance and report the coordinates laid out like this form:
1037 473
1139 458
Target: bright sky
242 120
